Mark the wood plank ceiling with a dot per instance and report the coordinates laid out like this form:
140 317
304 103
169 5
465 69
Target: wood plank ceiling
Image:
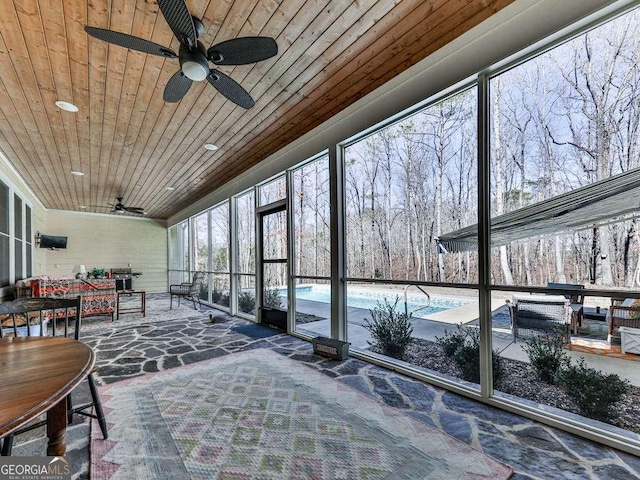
130 143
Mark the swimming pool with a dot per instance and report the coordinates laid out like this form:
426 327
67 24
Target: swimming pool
369 298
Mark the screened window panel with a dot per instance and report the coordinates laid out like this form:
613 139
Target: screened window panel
29 253
273 191
4 260
17 209
220 238
27 221
246 233
4 208
18 259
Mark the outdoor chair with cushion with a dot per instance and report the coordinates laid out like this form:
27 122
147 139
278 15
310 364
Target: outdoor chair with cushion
541 313
49 317
623 313
187 290
576 302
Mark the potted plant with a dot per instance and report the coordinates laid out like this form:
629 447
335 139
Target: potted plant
98 273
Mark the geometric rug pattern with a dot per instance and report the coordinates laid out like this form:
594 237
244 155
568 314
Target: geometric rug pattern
260 415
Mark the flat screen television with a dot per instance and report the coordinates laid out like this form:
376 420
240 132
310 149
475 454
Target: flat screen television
53 241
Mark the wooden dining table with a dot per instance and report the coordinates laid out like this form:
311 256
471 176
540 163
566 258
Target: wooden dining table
36 375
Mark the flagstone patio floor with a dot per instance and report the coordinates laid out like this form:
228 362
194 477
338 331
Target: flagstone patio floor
133 346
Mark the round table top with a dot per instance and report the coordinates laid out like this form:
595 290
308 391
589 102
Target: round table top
36 373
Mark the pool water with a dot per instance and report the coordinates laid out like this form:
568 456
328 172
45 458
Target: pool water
368 299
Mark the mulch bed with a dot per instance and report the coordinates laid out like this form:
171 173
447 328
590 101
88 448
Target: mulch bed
520 379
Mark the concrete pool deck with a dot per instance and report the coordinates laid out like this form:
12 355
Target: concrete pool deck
436 326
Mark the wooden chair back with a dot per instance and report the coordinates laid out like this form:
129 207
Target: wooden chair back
19 317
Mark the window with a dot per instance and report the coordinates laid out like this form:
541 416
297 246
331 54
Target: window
219 231
246 252
565 175
17 215
5 239
28 241
273 191
179 253
406 185
16 250
312 243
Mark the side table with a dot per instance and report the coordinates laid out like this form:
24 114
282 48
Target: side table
137 309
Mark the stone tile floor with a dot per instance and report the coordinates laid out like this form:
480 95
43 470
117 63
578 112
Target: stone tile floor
134 346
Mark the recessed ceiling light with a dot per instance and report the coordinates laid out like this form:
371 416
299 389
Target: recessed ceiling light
171 189
77 173
83 207
210 146
69 107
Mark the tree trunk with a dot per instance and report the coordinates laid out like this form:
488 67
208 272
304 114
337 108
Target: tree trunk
497 143
560 276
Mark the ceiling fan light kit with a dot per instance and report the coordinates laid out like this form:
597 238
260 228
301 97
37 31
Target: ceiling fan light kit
193 63
194 58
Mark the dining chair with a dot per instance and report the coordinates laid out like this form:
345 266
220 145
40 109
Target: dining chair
28 317
188 290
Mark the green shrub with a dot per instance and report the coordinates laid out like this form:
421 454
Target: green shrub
451 342
547 356
246 302
272 299
467 357
595 392
390 329
219 297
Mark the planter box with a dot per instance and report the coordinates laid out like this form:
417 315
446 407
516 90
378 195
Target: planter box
630 339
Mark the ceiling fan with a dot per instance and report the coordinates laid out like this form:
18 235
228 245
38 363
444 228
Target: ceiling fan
194 58
121 208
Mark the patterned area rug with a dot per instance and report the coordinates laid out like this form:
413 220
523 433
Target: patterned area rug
259 415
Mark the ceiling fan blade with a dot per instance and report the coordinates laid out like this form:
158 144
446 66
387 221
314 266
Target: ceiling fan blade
230 88
243 50
177 87
134 209
179 19
127 41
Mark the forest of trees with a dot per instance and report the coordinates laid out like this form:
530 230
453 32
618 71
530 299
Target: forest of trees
562 120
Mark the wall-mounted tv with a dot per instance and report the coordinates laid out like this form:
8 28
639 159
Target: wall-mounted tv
52 241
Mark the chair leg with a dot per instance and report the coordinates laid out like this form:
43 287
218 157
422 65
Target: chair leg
7 445
193 299
171 302
95 396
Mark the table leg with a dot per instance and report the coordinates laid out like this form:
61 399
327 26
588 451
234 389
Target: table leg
144 305
56 429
